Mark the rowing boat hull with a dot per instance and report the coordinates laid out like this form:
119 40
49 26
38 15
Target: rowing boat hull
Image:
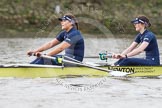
32 72
59 71
139 71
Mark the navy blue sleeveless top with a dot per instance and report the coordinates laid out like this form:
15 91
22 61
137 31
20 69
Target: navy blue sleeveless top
152 50
76 40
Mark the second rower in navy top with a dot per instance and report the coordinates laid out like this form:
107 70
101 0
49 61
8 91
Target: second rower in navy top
144 41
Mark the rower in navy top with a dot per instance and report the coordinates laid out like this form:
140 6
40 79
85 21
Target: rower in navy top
75 39
70 40
144 41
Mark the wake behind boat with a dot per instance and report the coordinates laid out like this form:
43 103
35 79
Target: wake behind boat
47 71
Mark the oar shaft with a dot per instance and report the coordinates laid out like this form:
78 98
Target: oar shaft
107 56
77 63
91 57
115 73
72 59
48 57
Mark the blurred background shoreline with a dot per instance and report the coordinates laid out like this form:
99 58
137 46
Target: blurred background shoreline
24 18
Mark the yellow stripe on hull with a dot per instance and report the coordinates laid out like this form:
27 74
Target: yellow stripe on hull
50 72
33 72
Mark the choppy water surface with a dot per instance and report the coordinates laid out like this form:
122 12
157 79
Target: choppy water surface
74 92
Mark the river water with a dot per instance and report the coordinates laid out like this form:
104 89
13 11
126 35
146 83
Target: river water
111 92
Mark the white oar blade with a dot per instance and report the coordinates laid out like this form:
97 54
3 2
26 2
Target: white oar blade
118 73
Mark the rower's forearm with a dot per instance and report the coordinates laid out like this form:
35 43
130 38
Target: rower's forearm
40 49
44 47
126 52
55 51
133 53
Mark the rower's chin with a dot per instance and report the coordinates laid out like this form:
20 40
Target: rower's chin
62 28
137 29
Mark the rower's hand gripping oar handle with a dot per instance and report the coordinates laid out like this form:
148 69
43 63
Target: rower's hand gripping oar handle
38 54
58 60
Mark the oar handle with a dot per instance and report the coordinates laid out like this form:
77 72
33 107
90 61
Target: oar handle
35 54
